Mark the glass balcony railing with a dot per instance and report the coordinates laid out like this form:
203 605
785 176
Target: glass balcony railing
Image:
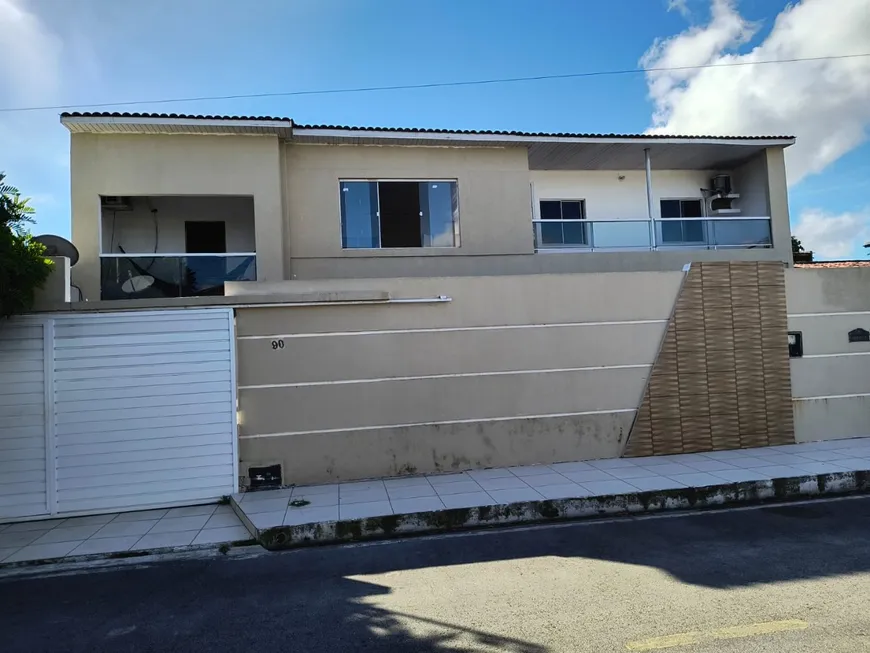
156 276
703 233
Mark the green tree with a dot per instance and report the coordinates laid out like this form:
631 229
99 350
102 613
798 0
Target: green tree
23 266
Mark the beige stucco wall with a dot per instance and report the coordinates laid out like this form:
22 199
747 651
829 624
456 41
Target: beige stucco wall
512 370
495 196
831 383
493 188
141 164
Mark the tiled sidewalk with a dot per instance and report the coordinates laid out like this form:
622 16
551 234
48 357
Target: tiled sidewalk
119 532
411 494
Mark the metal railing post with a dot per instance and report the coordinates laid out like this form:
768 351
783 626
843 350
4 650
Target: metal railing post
649 196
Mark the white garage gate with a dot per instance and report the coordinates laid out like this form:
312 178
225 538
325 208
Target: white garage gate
127 411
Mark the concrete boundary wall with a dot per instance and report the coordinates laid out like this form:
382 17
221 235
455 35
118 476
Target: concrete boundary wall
831 381
510 371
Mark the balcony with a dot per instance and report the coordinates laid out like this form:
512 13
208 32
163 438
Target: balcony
665 234
161 276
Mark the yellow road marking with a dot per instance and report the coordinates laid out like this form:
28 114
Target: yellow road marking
731 632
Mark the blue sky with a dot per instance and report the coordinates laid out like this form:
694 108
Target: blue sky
95 51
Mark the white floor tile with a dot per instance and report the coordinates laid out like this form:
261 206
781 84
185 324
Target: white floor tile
542 480
749 462
568 468
530 470
603 488
467 500
105 545
652 461
220 535
164 540
90 520
820 468
410 491
43 525
297 516
583 477
191 511
124 528
457 488
224 510
10 539
783 459
179 524
725 455
406 481
624 473
42 551
61 534
270 505
418 504
698 479
364 510
479 474
362 486
514 496
851 464
222 521
654 483
740 475
821 455
314 500
5 553
262 520
511 482
316 489
141 515
564 491
261 495
612 463
668 469
363 496
709 465
441 479
780 471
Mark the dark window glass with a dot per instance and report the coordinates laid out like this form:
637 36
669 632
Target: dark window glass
205 237
690 209
671 209
551 234
551 210
672 232
574 233
359 215
571 211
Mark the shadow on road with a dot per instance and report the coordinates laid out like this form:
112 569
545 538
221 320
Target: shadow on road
314 600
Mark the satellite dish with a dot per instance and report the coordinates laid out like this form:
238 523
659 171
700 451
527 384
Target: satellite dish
57 246
137 284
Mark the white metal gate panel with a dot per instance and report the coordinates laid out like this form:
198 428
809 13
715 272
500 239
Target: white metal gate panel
144 409
23 461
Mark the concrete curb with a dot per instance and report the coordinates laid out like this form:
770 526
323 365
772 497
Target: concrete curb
727 494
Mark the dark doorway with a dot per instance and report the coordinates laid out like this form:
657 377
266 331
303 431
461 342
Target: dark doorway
205 237
400 214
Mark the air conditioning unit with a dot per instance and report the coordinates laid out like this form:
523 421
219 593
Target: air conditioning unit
116 203
722 196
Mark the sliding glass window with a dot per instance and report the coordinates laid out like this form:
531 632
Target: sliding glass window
397 214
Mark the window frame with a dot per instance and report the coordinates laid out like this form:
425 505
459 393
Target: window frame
702 219
379 180
584 217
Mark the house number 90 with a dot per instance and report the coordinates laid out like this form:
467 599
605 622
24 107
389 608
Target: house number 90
277 344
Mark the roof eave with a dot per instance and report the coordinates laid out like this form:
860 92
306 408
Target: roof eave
324 135
148 125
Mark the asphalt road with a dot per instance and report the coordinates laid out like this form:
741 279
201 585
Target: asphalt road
781 579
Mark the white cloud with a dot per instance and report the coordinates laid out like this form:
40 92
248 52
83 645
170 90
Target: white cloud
31 54
826 104
833 236
681 6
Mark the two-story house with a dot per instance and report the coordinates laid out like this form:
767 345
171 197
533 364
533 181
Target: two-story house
487 298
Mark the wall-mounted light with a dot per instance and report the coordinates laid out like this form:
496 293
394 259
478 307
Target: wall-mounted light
859 335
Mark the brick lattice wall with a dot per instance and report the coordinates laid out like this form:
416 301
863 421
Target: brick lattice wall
722 377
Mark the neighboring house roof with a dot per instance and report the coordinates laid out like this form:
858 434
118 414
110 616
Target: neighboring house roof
834 264
547 150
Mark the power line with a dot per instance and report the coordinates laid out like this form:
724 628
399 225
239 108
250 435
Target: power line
405 87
